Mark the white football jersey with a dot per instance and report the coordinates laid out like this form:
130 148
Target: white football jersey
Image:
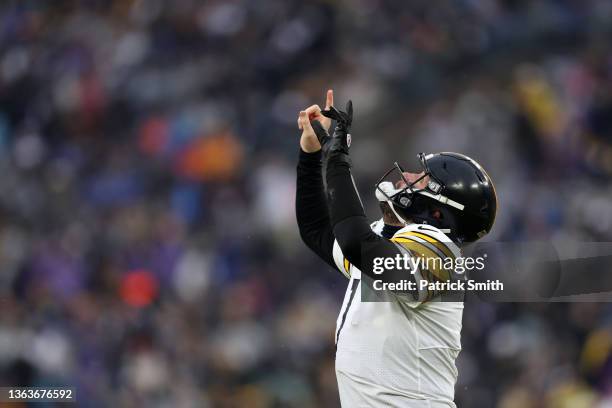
401 352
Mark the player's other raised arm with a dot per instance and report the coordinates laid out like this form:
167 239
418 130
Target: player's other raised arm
310 203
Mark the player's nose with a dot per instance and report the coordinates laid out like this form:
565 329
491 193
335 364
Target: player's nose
411 178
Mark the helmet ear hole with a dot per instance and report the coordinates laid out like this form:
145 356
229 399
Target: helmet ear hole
437 214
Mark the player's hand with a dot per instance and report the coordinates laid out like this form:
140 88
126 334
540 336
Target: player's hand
341 139
314 125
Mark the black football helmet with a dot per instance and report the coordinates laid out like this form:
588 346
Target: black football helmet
459 197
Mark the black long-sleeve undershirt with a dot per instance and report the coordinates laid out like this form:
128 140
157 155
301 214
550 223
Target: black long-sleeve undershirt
311 207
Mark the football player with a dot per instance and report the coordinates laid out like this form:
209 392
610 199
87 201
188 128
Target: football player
400 352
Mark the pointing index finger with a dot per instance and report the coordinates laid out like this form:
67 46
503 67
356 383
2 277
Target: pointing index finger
329 102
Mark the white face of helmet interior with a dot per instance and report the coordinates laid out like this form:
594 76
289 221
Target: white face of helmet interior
384 190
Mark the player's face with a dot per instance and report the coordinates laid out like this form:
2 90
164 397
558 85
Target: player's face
412 177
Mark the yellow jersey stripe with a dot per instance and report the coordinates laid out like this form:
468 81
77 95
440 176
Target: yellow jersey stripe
440 245
430 259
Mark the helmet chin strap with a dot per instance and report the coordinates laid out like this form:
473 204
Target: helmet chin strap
386 190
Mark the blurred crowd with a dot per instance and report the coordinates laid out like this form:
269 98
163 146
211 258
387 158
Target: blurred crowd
149 253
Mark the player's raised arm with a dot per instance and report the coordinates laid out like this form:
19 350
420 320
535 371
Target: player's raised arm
310 203
347 217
